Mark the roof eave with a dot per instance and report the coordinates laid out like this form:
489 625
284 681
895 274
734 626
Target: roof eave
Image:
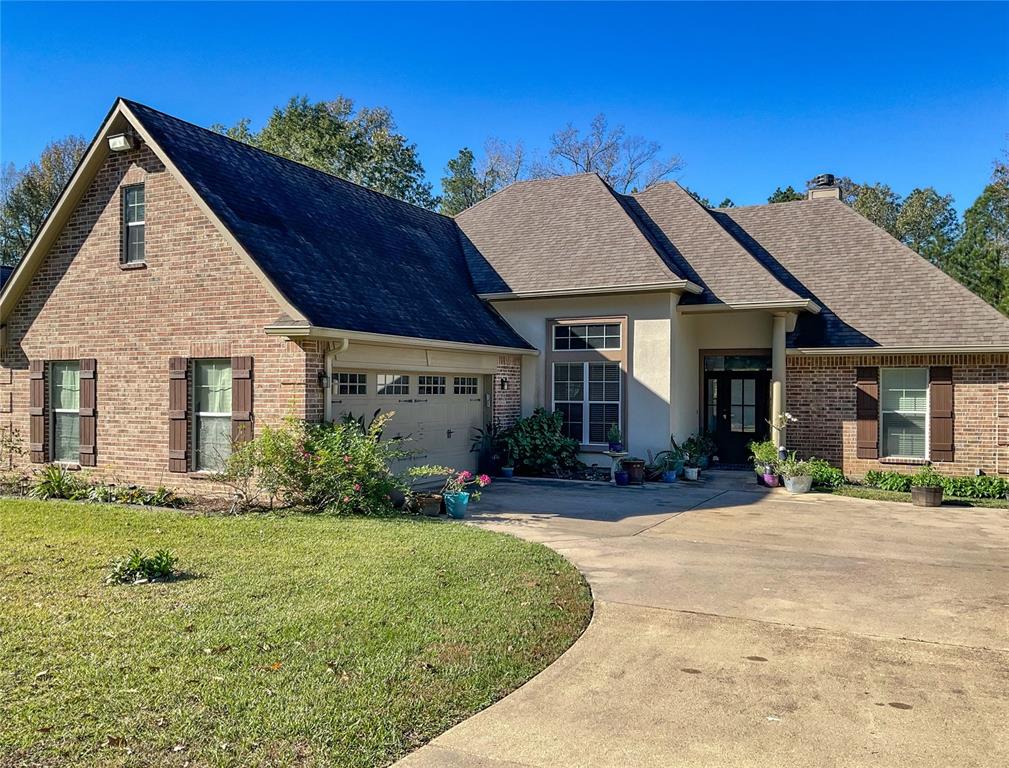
300 331
882 350
802 305
671 285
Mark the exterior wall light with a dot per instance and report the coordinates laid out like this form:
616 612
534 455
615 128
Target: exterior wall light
504 382
122 142
323 379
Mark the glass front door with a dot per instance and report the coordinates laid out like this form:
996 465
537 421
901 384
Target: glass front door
736 407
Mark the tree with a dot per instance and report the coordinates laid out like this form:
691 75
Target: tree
626 163
878 203
361 145
699 198
786 195
980 259
28 195
928 224
467 182
727 203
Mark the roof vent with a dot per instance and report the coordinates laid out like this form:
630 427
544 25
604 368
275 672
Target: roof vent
823 187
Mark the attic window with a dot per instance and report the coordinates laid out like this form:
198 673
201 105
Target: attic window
133 220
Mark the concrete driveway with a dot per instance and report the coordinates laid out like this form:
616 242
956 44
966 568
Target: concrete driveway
739 627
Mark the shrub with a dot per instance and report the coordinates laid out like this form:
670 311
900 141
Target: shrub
981 487
57 482
824 474
137 568
537 446
888 481
926 477
763 453
338 467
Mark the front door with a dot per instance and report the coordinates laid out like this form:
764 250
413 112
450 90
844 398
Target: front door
736 411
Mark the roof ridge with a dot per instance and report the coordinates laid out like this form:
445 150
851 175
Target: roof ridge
238 142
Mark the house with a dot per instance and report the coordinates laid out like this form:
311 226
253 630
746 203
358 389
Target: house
188 289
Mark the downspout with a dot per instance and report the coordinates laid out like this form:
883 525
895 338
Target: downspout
335 349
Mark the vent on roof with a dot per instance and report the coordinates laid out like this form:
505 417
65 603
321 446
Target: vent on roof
822 187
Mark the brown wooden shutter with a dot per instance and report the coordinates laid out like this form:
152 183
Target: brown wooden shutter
940 408
241 399
87 405
867 412
37 410
178 414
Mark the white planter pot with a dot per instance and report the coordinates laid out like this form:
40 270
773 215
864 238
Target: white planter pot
691 473
800 484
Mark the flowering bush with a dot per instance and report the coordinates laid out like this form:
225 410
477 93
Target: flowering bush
341 467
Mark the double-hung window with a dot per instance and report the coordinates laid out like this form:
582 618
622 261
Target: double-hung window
65 393
904 412
134 220
586 377
212 414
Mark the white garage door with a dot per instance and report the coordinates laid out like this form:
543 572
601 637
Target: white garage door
436 411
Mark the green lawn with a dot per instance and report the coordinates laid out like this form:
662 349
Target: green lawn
296 640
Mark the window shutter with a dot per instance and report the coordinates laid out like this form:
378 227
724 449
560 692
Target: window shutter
178 414
940 410
87 405
37 410
867 412
241 399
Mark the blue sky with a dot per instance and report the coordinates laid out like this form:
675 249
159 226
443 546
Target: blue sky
750 95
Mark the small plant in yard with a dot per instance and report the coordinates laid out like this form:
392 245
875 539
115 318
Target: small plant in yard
824 474
138 568
763 454
57 482
538 446
926 477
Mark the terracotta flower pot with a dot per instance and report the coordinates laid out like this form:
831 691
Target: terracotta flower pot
428 504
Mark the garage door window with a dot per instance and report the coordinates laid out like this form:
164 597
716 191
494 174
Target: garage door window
393 384
466 385
352 383
430 385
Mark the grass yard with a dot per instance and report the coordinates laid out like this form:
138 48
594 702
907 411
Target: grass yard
298 640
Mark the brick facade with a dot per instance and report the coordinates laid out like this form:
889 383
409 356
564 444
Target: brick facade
195 298
821 395
508 400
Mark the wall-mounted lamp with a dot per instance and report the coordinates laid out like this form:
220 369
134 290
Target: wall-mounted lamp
323 379
504 383
122 142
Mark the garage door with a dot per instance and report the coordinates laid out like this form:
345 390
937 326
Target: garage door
435 411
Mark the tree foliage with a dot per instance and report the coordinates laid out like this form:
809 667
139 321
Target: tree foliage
786 195
927 223
358 144
28 194
468 181
980 259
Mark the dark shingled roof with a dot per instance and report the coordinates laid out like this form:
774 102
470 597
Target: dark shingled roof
345 256
873 290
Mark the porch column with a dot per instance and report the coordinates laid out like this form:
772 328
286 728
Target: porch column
778 376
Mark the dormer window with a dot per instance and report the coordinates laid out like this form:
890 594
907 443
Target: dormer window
133 219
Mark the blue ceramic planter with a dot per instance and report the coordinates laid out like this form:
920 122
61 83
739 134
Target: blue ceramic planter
456 504
621 477
507 471
669 476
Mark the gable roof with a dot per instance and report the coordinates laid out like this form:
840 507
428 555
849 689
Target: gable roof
344 256
726 271
571 233
874 291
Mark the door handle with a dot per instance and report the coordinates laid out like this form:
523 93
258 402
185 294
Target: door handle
448 432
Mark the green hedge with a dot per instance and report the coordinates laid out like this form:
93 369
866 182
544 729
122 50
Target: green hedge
983 487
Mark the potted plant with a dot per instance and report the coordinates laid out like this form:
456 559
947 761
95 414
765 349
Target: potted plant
486 443
457 498
615 439
507 465
621 477
693 451
425 502
796 474
926 487
635 469
764 455
708 448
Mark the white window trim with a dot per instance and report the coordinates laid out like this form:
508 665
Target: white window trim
579 323
197 415
586 402
54 410
129 224
928 420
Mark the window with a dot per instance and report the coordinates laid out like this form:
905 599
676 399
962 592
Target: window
588 336
588 395
904 412
352 383
66 420
743 405
393 384
465 385
133 217
430 385
211 414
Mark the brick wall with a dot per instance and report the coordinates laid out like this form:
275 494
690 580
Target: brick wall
195 298
508 401
821 395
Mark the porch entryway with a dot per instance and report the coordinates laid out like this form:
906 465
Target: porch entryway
736 401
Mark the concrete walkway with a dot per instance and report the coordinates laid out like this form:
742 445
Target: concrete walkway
739 627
